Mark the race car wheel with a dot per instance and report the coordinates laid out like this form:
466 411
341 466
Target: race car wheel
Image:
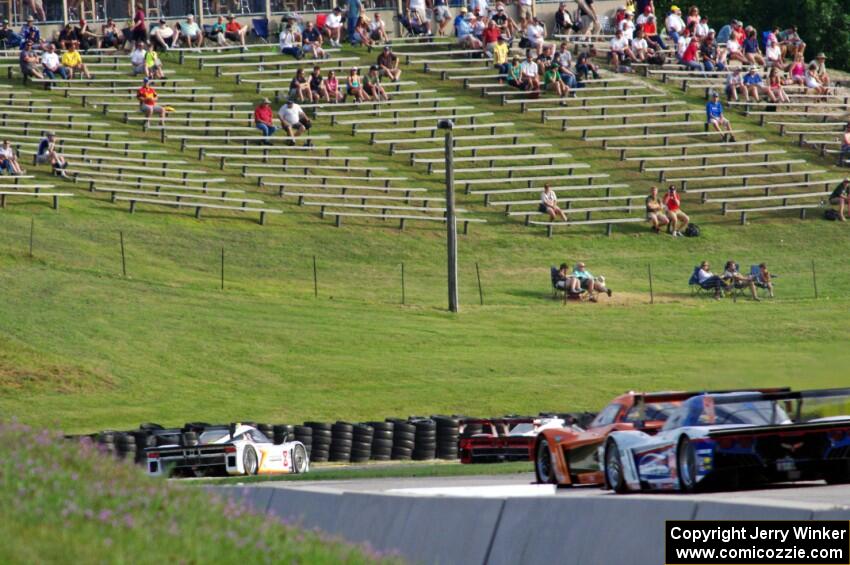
249 461
614 476
686 463
299 459
543 467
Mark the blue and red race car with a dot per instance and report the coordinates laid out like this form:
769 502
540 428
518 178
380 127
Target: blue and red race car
736 439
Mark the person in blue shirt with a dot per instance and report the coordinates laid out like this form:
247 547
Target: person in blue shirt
355 7
753 83
458 21
30 32
589 282
715 118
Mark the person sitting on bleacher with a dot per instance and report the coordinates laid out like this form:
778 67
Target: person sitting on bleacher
775 90
318 90
535 34
640 47
290 42
751 49
73 61
844 153
88 39
67 35
649 24
590 283
620 53
709 280
678 219
549 203
708 51
813 82
655 210
137 58
332 88
566 280
674 24
50 63
733 278
333 27
798 71
299 87
627 26
47 153
515 74
715 118
564 21
28 62
820 63
463 30
490 38
389 64
504 21
191 33
564 59
734 50
753 83
701 29
354 86
530 72
163 35
377 29
110 35
264 120
841 197
9 160
311 41
552 81
149 102
791 42
217 32
372 85
294 121
234 31
30 32
586 67
361 33
691 57
773 55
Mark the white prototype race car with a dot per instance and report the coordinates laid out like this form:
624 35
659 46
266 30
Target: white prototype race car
227 450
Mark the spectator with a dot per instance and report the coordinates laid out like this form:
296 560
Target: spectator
47 153
585 67
311 41
674 24
110 35
590 283
190 33
355 7
627 26
566 280
735 84
294 121
29 62
442 15
137 58
650 30
332 88
564 59
153 65
354 86
678 219
290 41
620 53
377 29
530 72
815 84
388 63
563 20
73 61
765 279
372 85
88 39
535 33
418 25
515 78
655 210
299 87
798 71
775 90
690 58
552 81
9 160
751 49
264 120
791 42
773 55
845 146
318 89
149 102
716 119
463 30
30 32
588 17
67 36
139 31
753 84
8 37
693 17
701 29
235 32
506 24
333 27
217 32
708 51
841 197
734 50
709 280
640 47
163 35
820 68
735 279
549 203
490 37
37 8
50 63
361 33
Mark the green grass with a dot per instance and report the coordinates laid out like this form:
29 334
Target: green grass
83 348
380 471
66 503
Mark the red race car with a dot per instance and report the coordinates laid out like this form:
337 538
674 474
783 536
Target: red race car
493 440
569 455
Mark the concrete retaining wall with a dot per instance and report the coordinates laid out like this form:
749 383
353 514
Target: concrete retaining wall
492 531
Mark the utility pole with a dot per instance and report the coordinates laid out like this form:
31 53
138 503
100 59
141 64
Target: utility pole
451 223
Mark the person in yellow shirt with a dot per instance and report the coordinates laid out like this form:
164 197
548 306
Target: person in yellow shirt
73 61
500 57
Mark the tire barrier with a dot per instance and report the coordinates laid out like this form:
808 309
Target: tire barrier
425 446
321 441
448 433
267 430
304 434
382 440
404 435
361 444
342 434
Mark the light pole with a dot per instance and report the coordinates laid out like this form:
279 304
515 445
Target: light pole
451 223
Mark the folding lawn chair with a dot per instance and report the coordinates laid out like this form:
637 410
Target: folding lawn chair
556 290
260 29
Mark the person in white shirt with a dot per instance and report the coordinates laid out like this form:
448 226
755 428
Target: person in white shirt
293 120
674 23
530 71
773 55
701 29
709 280
290 42
419 7
640 48
377 29
620 52
627 26
50 63
137 58
163 35
549 203
191 33
333 27
535 33
7 152
479 6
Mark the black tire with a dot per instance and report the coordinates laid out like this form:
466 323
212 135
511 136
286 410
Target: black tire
382 426
544 470
250 463
472 429
342 435
300 459
318 426
341 443
403 436
150 426
686 461
381 457
614 477
342 427
382 444
839 474
403 444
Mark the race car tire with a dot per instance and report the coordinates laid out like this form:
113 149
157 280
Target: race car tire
299 459
544 470
840 474
250 464
400 455
686 461
614 476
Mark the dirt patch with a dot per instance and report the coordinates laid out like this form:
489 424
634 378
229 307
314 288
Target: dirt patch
17 377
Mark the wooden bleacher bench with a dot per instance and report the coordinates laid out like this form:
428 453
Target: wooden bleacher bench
415 120
745 178
725 202
305 168
55 196
324 178
801 207
608 223
664 136
603 108
491 160
662 171
468 183
474 150
827 184
140 184
282 187
197 206
363 198
374 132
489 193
115 192
525 104
684 147
567 167
434 139
566 203
402 218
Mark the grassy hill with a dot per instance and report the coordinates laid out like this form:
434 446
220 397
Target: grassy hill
82 347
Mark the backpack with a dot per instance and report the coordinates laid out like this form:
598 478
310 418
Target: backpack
658 59
831 215
692 230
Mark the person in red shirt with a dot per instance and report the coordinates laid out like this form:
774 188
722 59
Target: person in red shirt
264 120
139 31
148 102
234 31
678 219
689 57
490 37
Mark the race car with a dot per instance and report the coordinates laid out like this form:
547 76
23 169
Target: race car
736 439
502 439
570 456
236 449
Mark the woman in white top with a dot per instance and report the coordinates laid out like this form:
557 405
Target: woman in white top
733 49
549 203
813 82
734 85
8 153
137 58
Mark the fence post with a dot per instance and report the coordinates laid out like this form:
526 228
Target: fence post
32 232
814 279
123 256
651 293
222 268
402 284
315 279
480 291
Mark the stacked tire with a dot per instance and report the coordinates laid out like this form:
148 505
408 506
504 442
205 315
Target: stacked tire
267 430
321 444
361 443
144 439
281 433
472 428
125 446
342 434
404 438
304 434
448 432
106 441
382 440
425 446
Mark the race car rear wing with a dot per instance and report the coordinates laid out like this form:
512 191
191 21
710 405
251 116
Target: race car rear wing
842 425
641 399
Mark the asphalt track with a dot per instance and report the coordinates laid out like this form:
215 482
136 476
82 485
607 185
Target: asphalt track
811 494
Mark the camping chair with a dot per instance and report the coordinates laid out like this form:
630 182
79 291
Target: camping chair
260 29
556 290
697 287
755 273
